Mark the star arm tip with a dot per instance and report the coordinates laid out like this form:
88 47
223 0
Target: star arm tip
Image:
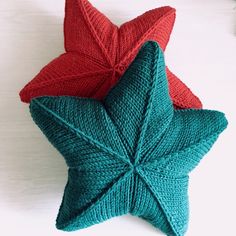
98 32
156 24
63 76
191 134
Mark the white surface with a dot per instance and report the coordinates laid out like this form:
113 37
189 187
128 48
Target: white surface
202 51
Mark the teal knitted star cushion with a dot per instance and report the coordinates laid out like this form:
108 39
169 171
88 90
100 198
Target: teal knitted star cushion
131 153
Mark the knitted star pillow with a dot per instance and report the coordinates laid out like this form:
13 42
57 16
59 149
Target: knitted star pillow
98 53
131 153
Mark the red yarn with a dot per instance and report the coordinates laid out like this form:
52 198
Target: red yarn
98 53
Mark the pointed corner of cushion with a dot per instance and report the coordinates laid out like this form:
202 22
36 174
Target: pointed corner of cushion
215 121
220 120
171 10
150 49
68 227
150 45
165 19
61 225
177 229
196 102
190 101
149 53
25 95
167 9
68 223
29 91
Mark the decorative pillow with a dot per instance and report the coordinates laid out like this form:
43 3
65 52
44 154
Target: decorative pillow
131 153
98 53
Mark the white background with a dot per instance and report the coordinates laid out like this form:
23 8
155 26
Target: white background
202 52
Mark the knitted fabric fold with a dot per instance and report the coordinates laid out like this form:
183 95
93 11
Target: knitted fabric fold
99 52
131 153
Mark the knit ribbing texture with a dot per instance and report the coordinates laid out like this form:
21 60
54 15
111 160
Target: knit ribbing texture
98 53
131 153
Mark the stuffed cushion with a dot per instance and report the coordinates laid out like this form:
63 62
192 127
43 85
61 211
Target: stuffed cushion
98 53
131 153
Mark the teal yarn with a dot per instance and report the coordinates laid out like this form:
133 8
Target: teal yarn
131 153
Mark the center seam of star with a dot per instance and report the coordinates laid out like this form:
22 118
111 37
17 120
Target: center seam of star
119 67
117 71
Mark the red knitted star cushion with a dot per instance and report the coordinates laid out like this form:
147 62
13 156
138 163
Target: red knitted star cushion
98 53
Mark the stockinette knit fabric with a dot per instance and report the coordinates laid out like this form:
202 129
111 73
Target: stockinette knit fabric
131 153
98 53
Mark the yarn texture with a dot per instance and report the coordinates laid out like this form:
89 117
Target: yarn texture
99 52
131 153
